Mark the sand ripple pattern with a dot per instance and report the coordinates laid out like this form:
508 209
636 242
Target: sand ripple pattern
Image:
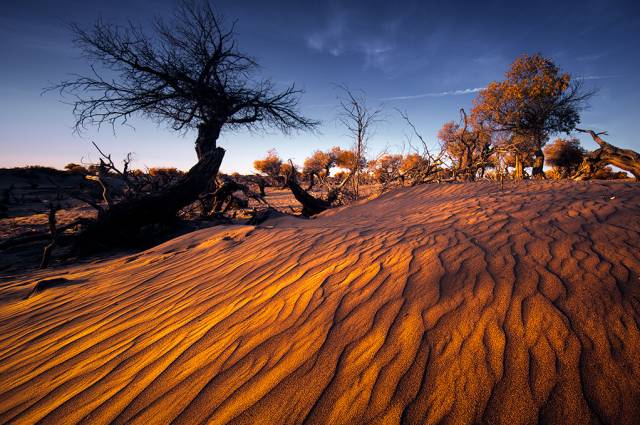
436 304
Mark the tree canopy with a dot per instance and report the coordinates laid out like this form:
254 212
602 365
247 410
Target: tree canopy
270 164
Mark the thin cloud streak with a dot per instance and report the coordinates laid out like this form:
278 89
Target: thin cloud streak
439 94
598 77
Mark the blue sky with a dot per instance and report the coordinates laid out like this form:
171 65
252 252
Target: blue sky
426 58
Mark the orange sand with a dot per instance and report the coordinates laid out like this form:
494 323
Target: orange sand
442 303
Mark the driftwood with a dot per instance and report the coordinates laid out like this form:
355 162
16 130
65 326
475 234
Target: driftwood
123 221
625 159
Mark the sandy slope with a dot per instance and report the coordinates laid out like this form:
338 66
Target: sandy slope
452 303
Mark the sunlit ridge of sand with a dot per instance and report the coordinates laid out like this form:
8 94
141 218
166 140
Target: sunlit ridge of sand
455 303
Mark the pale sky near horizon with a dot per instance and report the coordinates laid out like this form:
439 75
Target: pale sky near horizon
426 58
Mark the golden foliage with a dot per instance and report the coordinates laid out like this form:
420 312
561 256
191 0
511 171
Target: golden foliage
269 165
536 98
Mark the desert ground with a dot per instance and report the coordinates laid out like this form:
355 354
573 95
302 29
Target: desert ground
455 303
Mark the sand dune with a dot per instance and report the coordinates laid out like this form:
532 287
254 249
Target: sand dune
453 303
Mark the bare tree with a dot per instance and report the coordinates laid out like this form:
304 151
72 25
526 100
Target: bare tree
189 74
358 118
423 164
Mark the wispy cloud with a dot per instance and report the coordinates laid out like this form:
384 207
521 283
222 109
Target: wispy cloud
340 37
597 77
330 38
590 58
436 94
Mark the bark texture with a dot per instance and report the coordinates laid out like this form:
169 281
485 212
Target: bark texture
625 159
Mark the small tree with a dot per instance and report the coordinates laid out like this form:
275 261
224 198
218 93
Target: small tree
348 159
468 145
337 192
270 165
386 169
76 168
565 156
317 165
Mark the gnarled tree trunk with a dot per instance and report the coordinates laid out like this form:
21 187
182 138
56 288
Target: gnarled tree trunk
310 204
208 134
625 159
123 221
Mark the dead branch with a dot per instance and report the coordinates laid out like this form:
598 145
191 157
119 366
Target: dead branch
310 204
123 221
106 195
625 159
79 196
46 255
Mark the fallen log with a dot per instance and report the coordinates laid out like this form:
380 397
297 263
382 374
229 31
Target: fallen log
625 159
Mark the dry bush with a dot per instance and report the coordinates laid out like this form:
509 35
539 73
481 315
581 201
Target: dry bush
607 173
565 156
269 165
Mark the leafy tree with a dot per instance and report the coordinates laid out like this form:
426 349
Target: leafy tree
270 165
318 164
468 145
286 169
386 168
535 101
345 158
565 156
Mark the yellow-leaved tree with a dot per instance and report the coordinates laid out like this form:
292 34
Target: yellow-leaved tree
534 101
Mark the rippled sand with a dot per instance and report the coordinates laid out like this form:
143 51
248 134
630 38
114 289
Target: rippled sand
454 303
